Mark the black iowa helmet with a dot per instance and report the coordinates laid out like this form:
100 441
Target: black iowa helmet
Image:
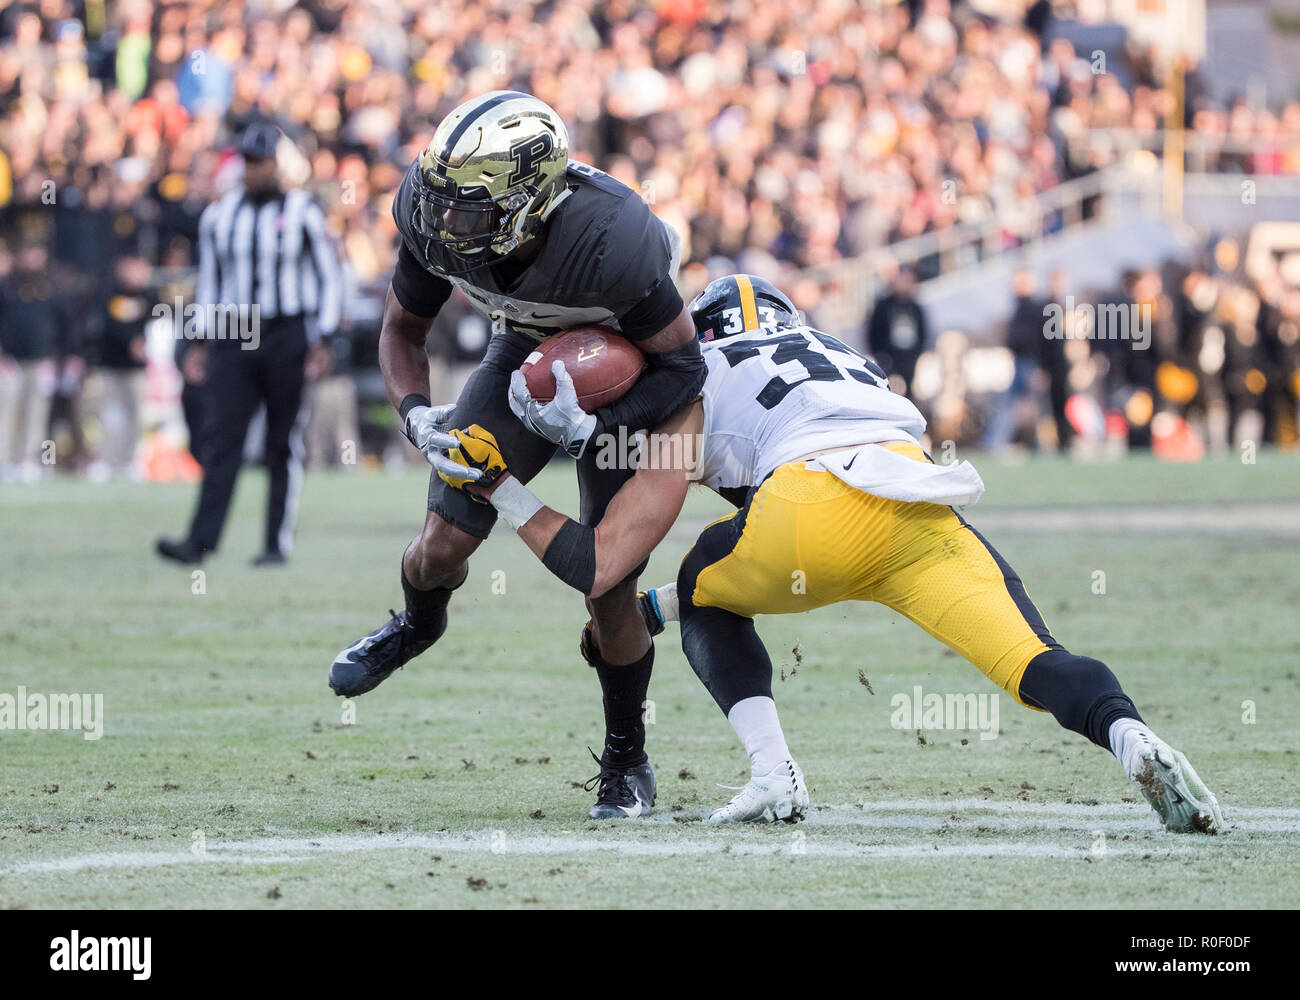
741 303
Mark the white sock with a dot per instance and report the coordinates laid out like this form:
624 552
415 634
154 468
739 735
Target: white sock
756 723
1127 738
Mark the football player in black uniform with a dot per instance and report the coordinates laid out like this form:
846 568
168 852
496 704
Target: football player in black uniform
494 207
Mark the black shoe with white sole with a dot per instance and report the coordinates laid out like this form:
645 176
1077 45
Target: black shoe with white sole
366 664
621 791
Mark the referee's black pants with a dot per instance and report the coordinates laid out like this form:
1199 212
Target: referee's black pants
238 381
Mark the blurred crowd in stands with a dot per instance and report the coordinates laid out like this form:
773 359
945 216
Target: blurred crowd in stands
1180 359
772 136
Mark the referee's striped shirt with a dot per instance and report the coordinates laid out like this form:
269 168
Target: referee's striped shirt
274 252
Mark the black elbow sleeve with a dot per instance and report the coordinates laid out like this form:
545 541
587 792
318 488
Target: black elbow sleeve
672 380
572 555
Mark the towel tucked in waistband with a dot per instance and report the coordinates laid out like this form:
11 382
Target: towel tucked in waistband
877 470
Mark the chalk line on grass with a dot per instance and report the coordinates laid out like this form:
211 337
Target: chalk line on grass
1038 830
282 850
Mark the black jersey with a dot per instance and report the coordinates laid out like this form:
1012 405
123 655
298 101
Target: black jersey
607 260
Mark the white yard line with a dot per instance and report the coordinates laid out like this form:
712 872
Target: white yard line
958 815
279 850
1074 810
823 836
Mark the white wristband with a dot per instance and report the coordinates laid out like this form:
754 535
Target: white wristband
515 502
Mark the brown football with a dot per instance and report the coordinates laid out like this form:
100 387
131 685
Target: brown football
602 364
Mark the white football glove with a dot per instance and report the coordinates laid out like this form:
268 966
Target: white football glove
561 420
426 427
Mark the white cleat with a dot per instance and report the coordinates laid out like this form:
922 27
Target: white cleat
781 794
1176 792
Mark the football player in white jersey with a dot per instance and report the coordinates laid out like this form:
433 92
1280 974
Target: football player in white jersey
839 496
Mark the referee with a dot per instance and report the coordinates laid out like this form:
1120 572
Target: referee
268 287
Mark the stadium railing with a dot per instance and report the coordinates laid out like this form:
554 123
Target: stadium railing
1131 185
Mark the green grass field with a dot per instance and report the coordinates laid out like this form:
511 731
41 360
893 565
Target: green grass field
229 776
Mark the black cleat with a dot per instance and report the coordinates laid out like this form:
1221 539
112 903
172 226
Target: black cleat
270 559
367 663
183 551
621 791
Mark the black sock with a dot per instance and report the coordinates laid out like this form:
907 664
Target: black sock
1081 692
625 687
1108 710
726 653
426 610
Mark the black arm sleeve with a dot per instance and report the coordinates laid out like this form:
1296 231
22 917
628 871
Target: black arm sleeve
672 380
652 313
572 555
417 291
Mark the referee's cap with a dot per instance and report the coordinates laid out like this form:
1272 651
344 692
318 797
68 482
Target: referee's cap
259 141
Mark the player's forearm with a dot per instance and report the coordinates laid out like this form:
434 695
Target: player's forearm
405 368
588 559
402 358
540 530
565 547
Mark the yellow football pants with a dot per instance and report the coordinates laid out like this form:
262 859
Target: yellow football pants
807 539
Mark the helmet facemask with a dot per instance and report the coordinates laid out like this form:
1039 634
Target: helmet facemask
458 230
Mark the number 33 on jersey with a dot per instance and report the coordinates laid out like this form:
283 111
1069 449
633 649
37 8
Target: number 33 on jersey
774 395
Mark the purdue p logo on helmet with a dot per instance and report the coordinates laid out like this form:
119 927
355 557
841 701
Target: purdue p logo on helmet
490 176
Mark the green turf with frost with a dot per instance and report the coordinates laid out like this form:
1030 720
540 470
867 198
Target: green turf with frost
228 775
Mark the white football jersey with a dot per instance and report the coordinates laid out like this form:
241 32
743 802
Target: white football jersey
772 396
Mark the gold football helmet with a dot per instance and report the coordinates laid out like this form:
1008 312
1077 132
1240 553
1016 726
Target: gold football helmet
488 179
